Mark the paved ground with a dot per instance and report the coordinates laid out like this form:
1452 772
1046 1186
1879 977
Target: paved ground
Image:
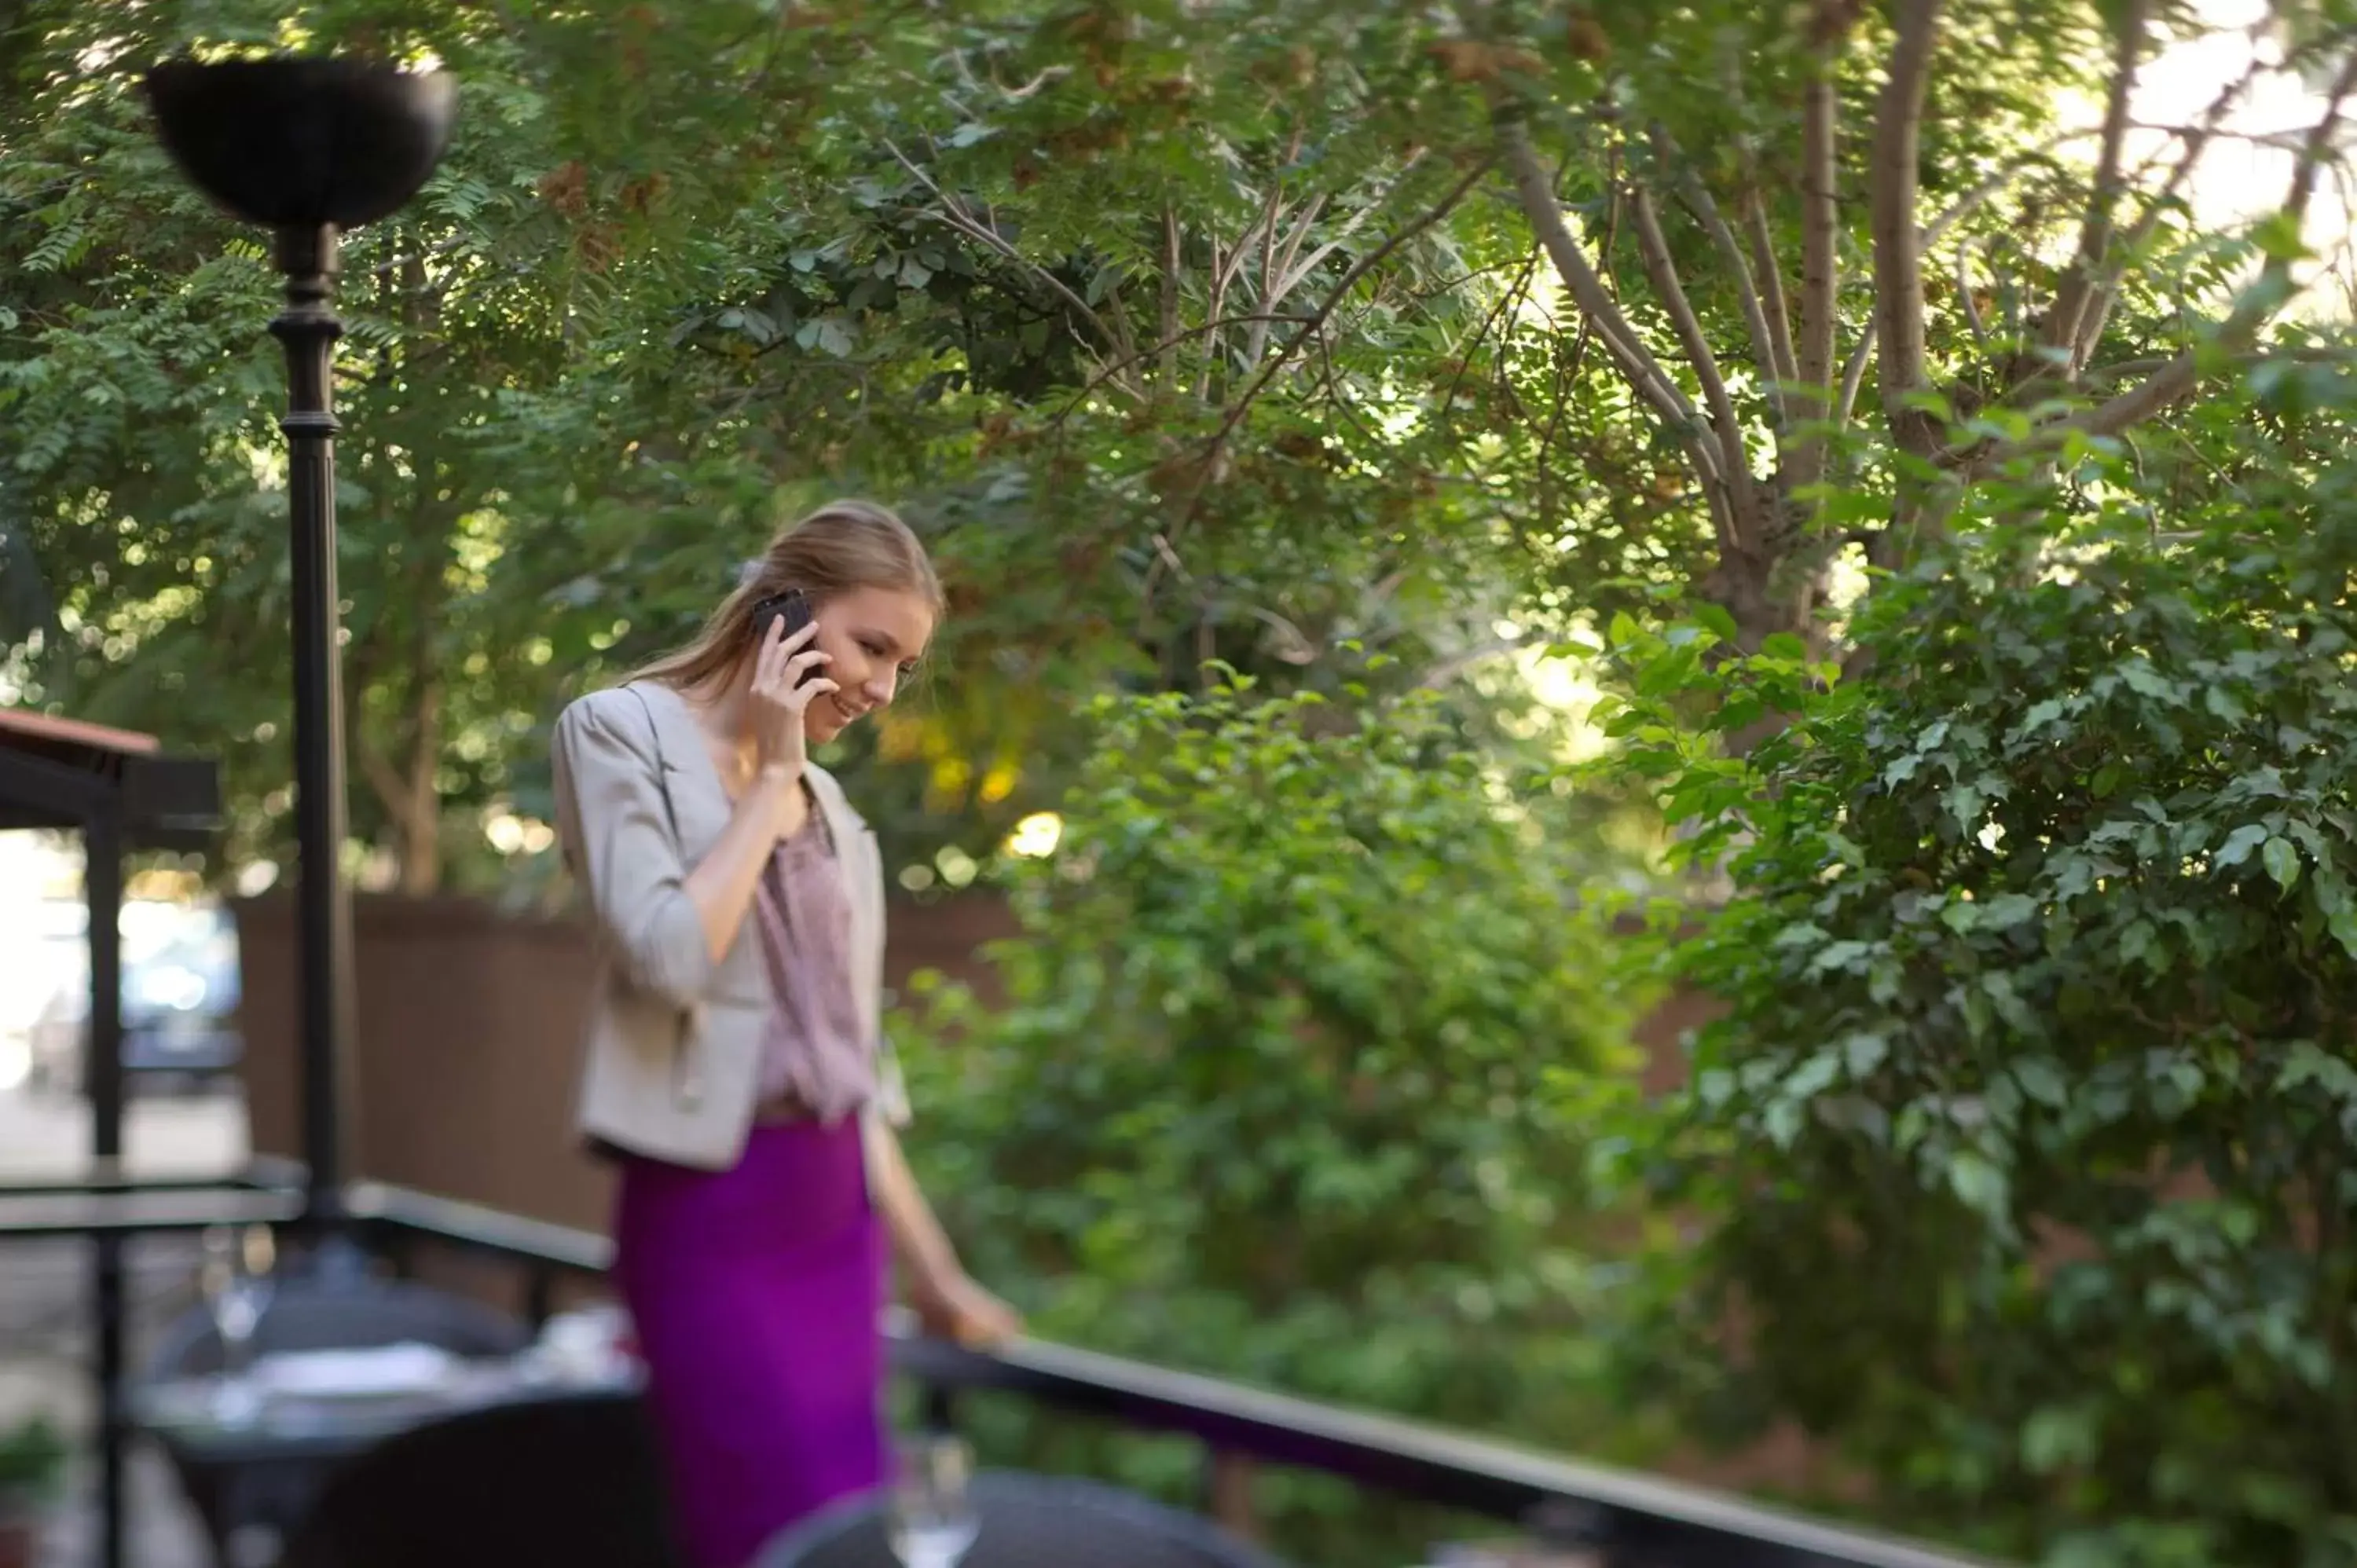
45 1136
44 1304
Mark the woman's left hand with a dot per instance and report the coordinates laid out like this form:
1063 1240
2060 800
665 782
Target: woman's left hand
962 1312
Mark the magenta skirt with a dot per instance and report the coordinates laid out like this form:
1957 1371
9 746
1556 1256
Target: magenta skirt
754 1294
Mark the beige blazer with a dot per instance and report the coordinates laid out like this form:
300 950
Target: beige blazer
672 1065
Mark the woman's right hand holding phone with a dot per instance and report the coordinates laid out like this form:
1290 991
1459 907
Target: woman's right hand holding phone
786 681
774 803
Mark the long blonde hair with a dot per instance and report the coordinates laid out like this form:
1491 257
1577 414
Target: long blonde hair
842 547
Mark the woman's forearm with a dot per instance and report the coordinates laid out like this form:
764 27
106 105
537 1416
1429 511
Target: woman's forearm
721 885
918 1238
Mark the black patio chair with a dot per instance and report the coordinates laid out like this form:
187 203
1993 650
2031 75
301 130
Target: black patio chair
571 1480
1031 1521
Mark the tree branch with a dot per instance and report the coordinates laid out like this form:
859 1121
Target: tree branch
1256 335
1897 265
1820 267
1446 670
1637 364
1218 302
1265 223
1964 295
1168 300
2123 369
1162 349
1970 202
1125 340
965 223
1861 354
1481 333
1770 277
390 789
1730 252
1341 291
1301 334
1277 283
2079 284
1284 268
2196 138
421 822
1292 273
1338 399
2132 407
2258 305
1831 21
1742 504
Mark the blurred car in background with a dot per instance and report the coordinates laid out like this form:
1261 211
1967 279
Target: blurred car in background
180 1006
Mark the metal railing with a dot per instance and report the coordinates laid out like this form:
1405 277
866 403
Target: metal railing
1630 1517
1627 1519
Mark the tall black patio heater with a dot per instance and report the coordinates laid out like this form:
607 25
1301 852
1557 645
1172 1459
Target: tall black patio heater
310 147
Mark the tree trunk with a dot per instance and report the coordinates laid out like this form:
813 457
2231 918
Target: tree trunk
420 816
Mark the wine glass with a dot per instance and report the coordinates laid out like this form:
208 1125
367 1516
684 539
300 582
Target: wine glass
931 1520
237 1285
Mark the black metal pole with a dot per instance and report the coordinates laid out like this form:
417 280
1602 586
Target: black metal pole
101 880
309 330
102 1066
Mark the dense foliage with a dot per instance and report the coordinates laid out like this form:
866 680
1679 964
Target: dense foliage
1190 329
1354 345
1034 283
2039 965
1266 1092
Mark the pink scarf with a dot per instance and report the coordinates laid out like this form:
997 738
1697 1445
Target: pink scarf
815 1050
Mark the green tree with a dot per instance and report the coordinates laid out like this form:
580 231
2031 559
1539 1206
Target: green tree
1123 333
2038 968
146 473
1702 179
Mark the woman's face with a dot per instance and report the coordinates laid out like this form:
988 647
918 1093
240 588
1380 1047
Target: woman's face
872 636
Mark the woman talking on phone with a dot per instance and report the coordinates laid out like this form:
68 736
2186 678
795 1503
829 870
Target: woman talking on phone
736 1064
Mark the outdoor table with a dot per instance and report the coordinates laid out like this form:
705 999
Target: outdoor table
1029 1521
253 1474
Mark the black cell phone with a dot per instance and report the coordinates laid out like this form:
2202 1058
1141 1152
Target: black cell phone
793 606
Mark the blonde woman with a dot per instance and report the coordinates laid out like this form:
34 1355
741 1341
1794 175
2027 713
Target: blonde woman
736 1065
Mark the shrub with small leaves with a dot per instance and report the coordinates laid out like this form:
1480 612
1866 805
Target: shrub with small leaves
1270 1092
2027 1148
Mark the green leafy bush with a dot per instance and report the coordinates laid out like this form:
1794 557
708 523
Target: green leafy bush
2027 1149
1276 1090
32 1463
